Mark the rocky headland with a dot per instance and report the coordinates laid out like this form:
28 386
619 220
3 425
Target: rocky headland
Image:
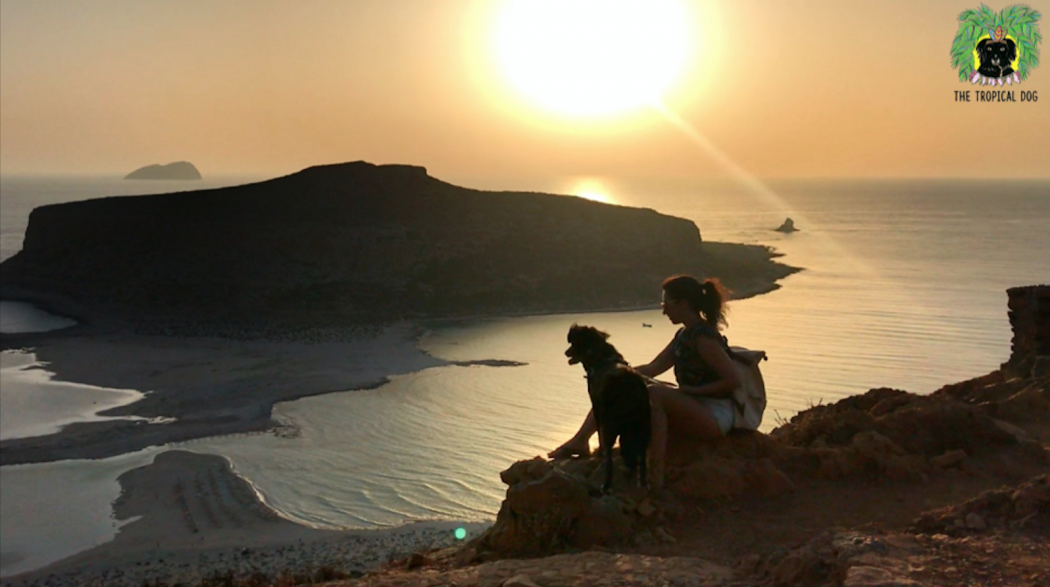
179 170
355 243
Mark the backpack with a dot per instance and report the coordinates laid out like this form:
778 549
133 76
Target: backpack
749 400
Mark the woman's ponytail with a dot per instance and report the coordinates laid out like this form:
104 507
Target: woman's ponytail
713 307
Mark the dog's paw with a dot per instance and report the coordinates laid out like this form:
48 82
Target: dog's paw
568 452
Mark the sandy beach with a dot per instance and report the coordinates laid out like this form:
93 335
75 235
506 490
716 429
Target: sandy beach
188 515
202 386
191 517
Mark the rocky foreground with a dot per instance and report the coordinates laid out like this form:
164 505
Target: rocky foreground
884 489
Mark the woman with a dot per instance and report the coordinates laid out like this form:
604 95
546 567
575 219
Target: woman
699 406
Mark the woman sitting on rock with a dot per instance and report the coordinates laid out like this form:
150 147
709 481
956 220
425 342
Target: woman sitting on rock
699 406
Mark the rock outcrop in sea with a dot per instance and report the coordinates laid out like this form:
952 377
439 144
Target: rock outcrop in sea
787 226
177 170
342 244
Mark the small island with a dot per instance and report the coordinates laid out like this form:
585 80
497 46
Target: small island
787 226
178 170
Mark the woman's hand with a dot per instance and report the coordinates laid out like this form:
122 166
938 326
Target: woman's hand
662 362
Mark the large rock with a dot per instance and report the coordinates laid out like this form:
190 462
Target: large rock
176 170
1027 505
886 423
1030 321
340 244
539 513
557 506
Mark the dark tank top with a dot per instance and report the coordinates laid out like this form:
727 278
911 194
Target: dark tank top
689 367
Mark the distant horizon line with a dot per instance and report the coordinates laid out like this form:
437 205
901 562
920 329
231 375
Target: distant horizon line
719 178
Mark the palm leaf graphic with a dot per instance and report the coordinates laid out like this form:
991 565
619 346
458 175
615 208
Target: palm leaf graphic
1019 22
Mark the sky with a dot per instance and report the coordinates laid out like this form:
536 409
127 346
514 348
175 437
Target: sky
501 89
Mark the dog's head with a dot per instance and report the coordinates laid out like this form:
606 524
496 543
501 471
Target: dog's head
996 54
585 342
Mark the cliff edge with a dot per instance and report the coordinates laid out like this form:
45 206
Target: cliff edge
347 243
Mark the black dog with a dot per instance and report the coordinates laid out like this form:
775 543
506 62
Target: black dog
996 57
619 398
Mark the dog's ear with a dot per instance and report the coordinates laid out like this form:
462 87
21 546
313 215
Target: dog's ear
597 334
575 331
1011 50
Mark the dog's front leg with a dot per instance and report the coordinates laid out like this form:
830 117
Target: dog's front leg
608 453
604 448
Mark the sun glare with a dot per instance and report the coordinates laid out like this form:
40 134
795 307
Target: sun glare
592 58
592 190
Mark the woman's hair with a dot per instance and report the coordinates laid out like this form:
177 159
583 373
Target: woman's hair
707 299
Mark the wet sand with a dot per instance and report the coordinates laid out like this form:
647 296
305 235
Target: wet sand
195 517
202 386
192 517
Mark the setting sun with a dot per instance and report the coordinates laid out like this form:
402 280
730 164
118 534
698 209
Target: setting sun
592 58
591 189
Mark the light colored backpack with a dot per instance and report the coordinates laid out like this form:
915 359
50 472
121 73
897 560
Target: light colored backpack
749 400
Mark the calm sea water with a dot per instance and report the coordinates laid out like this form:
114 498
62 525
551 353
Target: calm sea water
903 286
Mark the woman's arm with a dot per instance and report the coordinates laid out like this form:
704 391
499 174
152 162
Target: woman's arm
662 362
713 353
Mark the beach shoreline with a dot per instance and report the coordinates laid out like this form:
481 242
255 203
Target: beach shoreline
202 387
189 516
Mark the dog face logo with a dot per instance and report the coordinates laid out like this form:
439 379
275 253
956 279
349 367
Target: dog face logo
996 57
997 49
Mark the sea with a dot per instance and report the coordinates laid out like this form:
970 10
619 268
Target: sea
902 285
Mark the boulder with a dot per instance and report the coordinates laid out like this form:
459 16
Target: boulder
1018 507
539 513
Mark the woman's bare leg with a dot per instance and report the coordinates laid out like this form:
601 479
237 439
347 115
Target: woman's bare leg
673 409
581 442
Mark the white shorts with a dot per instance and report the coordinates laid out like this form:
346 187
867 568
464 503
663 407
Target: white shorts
722 410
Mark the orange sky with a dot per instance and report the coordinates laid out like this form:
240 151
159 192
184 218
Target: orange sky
780 89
